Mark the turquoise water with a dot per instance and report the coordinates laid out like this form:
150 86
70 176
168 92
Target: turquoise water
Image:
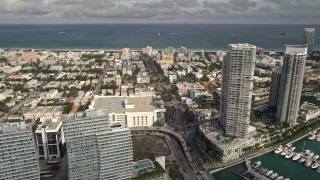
143 165
224 142
284 167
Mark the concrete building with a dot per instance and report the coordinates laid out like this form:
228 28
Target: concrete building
18 154
236 95
291 84
43 111
274 88
48 135
96 149
308 39
134 111
52 93
147 50
309 111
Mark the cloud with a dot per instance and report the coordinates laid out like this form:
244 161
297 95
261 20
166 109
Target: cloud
212 11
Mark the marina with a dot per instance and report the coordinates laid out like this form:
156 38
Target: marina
285 167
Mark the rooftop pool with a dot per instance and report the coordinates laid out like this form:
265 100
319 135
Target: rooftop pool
142 165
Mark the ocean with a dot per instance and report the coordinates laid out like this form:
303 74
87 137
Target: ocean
159 36
285 167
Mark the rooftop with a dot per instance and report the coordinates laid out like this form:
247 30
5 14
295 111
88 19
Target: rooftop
296 49
7 128
52 125
123 104
242 46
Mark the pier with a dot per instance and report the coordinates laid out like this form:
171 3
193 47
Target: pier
257 175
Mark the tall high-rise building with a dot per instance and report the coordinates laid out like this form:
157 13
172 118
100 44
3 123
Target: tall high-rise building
237 85
18 153
308 39
291 84
274 88
97 150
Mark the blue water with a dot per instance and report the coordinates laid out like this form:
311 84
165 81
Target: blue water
284 167
143 165
160 36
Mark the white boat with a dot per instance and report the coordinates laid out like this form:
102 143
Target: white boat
286 179
277 151
309 155
296 157
306 151
283 153
288 156
274 175
302 160
316 157
315 165
318 139
312 137
308 163
289 145
269 173
256 164
280 178
293 148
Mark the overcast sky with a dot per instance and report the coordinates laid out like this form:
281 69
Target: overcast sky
161 11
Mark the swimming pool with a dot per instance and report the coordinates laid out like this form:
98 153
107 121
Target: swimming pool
142 165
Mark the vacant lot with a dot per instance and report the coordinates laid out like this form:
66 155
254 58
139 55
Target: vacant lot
149 146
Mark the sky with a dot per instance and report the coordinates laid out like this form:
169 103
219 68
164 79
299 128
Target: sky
161 11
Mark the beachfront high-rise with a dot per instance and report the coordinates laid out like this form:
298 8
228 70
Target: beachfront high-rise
308 39
237 85
97 150
274 88
291 84
18 153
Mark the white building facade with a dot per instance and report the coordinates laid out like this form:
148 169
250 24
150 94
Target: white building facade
236 95
97 150
18 154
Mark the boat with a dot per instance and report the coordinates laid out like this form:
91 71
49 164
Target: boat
263 171
296 157
283 153
302 160
289 145
286 179
315 165
318 170
269 173
277 151
318 139
309 155
312 137
316 157
288 156
256 164
274 175
306 151
280 178
293 148
308 163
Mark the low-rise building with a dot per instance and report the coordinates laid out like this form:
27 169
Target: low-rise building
134 111
309 111
43 111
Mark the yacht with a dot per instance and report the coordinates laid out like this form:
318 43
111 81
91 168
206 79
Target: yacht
293 148
308 163
277 151
315 165
286 179
274 175
269 173
318 170
302 160
256 164
283 153
289 145
288 156
280 178
318 139
306 151
312 137
316 157
296 157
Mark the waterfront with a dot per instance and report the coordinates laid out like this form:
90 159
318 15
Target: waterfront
159 36
284 167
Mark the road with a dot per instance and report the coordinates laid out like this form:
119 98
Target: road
201 174
14 108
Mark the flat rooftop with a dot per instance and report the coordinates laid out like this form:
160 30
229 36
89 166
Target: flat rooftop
50 125
118 104
7 128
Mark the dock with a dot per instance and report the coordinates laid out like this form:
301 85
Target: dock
257 175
